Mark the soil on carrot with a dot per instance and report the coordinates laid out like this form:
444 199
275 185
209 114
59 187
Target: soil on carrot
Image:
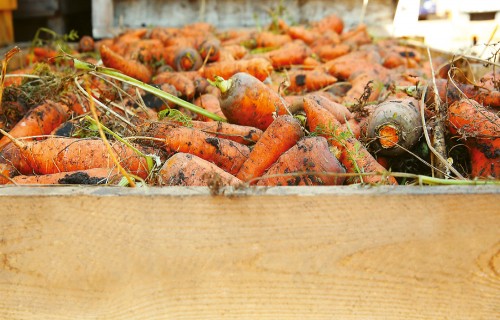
163 91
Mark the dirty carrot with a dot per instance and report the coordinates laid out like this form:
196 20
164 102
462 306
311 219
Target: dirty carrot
469 118
303 164
226 154
245 100
182 83
292 53
268 39
131 68
281 135
485 158
211 103
341 113
309 80
93 176
241 134
183 169
40 120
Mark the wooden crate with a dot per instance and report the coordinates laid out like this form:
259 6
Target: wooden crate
278 253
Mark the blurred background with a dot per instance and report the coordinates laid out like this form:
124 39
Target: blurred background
451 25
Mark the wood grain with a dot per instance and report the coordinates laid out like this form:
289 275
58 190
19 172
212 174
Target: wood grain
284 253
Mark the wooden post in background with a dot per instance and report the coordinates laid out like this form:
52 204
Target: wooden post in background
6 26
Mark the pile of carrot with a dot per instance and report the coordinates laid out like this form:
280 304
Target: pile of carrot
285 105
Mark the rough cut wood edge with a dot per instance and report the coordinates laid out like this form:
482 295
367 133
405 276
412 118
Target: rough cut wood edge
284 253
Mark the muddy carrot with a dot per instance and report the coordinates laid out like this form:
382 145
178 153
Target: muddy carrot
302 33
181 82
93 176
281 135
209 49
245 100
469 118
131 68
341 113
183 169
309 158
266 39
292 53
40 120
241 134
226 154
351 153
485 158
329 52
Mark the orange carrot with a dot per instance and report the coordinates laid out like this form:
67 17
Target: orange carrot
341 113
7 172
241 134
209 49
131 68
86 44
281 135
40 120
357 36
226 154
183 84
469 118
54 155
330 22
257 67
351 153
93 176
11 155
266 39
309 158
329 52
308 80
485 158
235 50
245 100
45 54
302 33
211 103
292 53
354 62
184 169
449 93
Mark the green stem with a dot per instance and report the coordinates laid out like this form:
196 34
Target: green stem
115 74
149 159
223 85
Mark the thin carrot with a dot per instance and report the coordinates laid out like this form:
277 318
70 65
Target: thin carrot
257 67
351 153
183 169
281 135
226 154
93 176
131 68
40 120
309 158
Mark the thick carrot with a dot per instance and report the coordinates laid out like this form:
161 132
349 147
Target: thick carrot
181 82
131 68
211 103
187 59
258 67
40 120
93 176
183 169
309 80
209 49
341 113
226 154
351 153
300 32
281 135
469 118
485 158
329 52
11 155
245 100
354 62
330 22
357 36
292 53
450 93
86 44
267 39
309 158
54 155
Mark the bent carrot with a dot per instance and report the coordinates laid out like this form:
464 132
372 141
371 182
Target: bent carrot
226 154
245 100
309 158
93 176
40 120
183 169
281 135
131 68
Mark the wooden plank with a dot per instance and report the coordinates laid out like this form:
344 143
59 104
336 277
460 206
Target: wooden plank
6 27
280 253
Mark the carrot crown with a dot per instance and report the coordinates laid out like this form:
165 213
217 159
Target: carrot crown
222 84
